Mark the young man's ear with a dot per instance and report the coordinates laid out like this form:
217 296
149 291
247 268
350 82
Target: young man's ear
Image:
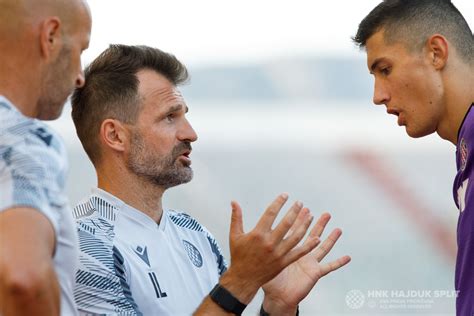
50 37
114 135
438 50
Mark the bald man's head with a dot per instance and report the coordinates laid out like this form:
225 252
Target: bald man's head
42 40
18 15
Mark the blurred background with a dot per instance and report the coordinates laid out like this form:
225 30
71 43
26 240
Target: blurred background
281 101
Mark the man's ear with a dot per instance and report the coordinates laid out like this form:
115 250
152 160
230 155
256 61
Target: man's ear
114 135
51 38
438 50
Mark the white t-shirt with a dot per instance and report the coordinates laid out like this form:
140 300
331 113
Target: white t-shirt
33 168
130 265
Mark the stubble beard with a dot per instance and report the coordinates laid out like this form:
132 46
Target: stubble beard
56 88
165 172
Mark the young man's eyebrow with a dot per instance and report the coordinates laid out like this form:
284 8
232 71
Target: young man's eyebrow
375 64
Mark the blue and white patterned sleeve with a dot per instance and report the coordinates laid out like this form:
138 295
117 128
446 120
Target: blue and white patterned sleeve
216 250
102 280
32 166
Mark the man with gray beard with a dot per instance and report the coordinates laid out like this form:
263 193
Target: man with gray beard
138 259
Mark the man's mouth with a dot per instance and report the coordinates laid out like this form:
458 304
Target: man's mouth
182 152
185 157
393 111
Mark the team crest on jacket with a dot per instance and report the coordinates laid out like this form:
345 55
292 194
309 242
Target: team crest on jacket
193 253
464 153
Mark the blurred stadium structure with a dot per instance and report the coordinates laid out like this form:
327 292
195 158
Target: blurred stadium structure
308 127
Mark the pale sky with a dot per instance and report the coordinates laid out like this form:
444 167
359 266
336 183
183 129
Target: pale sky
219 31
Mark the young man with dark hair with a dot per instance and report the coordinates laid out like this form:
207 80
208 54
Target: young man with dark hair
40 43
421 55
138 259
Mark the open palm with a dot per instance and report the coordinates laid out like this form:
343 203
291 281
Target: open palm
295 282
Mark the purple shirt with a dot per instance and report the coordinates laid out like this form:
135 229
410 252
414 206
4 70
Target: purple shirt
463 191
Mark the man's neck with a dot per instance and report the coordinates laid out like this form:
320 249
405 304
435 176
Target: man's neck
25 104
134 191
19 86
458 97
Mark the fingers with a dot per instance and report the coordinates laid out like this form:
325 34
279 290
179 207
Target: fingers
266 221
298 252
327 245
290 220
236 223
334 265
321 224
298 230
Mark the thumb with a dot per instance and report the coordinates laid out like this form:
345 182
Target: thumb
236 225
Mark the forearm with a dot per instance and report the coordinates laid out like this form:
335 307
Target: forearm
30 296
209 307
28 282
243 291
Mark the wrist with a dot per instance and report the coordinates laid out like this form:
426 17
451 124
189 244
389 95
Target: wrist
222 297
275 307
264 312
243 290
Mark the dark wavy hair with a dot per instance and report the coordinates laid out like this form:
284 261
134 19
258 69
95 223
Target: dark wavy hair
111 89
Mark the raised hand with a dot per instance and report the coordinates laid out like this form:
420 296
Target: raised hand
261 254
293 284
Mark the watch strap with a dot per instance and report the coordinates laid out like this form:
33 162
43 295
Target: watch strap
226 300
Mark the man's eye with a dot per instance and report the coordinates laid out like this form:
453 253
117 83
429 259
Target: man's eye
385 71
170 117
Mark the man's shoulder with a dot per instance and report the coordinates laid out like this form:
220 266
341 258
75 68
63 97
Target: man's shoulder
30 142
95 218
95 206
30 149
190 226
101 281
466 131
185 221
33 167
27 134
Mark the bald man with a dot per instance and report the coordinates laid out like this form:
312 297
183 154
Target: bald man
41 42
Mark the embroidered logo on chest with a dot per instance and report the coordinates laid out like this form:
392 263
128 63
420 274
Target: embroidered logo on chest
193 253
464 153
143 254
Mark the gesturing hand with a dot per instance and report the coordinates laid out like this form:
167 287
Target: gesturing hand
293 284
261 254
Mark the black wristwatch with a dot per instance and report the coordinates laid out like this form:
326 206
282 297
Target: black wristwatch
226 300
